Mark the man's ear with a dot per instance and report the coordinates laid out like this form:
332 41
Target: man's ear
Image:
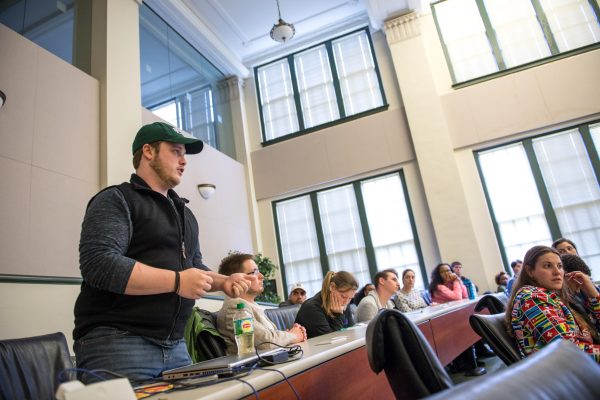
148 151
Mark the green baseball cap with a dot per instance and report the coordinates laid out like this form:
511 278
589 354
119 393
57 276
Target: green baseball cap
161 132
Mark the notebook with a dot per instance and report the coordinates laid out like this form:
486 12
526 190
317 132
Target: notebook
226 365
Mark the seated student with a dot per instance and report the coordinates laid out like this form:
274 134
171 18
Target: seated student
264 329
328 311
297 296
445 285
457 268
362 292
565 246
516 267
386 284
577 299
537 311
408 298
501 280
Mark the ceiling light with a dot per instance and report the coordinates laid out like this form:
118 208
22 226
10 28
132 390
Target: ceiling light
206 190
282 31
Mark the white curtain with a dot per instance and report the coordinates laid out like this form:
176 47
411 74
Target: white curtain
277 100
464 34
299 246
518 31
515 200
356 73
389 225
573 189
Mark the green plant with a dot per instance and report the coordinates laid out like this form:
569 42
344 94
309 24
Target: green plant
268 269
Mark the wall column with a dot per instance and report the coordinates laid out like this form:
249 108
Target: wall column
231 92
115 62
446 199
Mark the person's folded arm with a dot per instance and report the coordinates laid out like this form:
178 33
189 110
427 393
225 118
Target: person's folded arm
547 323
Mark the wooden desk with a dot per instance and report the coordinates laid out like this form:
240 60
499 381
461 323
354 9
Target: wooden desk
341 370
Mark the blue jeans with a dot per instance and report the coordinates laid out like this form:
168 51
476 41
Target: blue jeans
137 357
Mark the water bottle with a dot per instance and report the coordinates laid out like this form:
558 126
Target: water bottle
243 328
470 289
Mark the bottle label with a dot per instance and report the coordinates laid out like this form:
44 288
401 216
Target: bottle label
244 325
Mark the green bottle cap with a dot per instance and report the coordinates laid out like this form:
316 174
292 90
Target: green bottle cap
240 306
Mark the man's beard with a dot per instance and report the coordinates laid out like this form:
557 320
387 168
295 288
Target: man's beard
158 167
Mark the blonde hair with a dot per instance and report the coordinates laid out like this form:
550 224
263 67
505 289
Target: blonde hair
342 280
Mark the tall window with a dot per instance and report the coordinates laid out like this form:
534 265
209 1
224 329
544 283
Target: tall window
47 23
481 37
361 227
179 84
328 82
544 188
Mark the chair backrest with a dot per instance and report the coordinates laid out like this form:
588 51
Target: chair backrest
493 302
283 317
558 371
30 367
426 296
492 329
396 345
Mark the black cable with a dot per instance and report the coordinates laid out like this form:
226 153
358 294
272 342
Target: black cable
251 387
294 350
284 377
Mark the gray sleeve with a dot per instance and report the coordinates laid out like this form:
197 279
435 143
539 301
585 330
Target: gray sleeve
105 235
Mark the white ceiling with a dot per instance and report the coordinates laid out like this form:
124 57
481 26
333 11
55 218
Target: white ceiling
234 34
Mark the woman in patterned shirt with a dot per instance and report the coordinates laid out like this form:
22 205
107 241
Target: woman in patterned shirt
408 298
539 313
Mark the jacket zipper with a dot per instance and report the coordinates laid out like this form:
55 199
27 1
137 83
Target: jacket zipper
181 262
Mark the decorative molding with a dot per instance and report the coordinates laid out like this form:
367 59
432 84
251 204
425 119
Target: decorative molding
229 89
403 27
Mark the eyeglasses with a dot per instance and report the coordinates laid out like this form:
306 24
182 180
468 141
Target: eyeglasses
255 272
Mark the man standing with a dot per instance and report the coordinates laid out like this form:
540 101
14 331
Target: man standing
386 284
266 334
141 265
297 296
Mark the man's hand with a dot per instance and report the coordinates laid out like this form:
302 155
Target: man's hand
194 283
237 284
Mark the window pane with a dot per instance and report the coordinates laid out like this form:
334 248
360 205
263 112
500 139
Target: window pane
317 95
343 233
515 200
518 31
277 100
465 38
202 115
389 225
356 73
573 23
573 191
299 246
169 112
47 23
173 70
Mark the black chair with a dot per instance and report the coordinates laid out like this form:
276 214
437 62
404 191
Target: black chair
283 317
558 371
492 329
397 346
493 302
30 367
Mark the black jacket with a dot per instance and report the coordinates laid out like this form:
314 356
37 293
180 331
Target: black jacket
312 316
158 236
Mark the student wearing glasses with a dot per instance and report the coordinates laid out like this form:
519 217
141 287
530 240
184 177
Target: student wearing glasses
265 331
328 311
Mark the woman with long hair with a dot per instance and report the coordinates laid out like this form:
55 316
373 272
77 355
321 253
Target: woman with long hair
328 311
445 285
362 292
538 311
408 298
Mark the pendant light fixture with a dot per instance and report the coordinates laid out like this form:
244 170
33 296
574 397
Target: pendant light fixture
282 31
